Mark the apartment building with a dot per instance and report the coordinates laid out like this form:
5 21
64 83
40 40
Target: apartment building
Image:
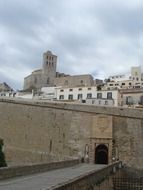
127 81
88 95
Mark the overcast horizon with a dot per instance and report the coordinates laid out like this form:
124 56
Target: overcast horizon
97 37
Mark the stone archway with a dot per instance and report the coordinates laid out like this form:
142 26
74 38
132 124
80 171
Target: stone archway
101 154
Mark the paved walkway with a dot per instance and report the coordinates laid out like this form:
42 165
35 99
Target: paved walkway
46 180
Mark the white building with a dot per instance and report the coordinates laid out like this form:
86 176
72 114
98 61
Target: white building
89 95
24 95
127 81
105 98
76 93
49 93
131 97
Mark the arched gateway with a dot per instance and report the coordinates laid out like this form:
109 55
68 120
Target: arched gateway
101 154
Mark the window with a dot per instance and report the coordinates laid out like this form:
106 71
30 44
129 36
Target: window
64 136
61 90
50 145
99 102
79 96
48 80
110 84
61 97
70 97
80 89
93 101
99 95
35 81
89 95
71 89
47 62
137 86
109 95
130 83
123 83
66 82
106 102
89 88
141 100
81 82
129 100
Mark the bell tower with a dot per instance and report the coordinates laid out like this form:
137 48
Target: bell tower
49 68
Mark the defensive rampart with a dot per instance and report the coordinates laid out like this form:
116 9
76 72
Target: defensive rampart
39 131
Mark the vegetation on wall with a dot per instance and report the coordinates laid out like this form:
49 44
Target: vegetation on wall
2 156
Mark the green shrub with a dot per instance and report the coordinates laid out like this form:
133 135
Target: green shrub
2 156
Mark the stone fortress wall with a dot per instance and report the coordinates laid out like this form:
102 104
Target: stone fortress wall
36 132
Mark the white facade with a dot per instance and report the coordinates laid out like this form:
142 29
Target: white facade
117 78
100 102
131 97
76 93
48 93
7 94
128 81
136 73
24 95
105 98
126 84
89 95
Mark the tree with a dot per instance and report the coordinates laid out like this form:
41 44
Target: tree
2 156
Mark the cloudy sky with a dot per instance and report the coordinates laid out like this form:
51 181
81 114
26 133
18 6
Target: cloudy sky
100 37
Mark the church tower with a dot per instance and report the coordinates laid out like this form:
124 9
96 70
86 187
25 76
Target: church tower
49 68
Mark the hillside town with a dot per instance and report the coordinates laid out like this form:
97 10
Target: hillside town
48 84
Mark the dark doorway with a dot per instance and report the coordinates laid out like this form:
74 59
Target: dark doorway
101 154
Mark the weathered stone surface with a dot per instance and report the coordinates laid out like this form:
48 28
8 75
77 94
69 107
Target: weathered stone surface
82 176
44 132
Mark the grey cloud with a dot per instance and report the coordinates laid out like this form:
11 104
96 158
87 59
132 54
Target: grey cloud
117 18
98 37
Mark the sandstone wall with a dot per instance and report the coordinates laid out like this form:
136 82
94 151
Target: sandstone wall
44 132
128 135
34 133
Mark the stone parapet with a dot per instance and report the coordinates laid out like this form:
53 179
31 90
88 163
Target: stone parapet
113 111
92 180
9 172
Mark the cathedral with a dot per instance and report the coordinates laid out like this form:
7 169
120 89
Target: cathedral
45 76
48 76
